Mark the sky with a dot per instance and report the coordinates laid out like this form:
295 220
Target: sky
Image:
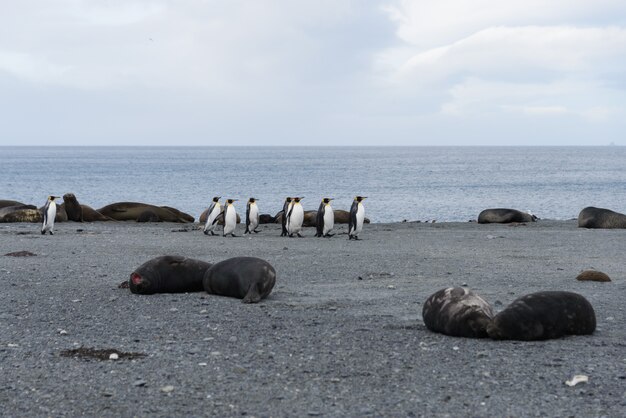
324 72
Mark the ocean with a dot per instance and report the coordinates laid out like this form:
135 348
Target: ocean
401 183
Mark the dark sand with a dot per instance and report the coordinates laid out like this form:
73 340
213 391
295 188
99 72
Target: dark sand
341 335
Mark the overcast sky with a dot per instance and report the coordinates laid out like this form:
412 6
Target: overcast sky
323 72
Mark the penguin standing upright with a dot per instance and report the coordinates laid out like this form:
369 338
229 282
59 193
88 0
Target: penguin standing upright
230 218
213 213
252 216
286 207
357 216
325 220
49 213
295 217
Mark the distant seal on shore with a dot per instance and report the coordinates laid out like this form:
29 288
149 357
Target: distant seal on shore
92 215
266 218
130 211
73 209
544 315
504 216
458 312
247 278
26 213
7 203
168 274
593 276
148 216
591 217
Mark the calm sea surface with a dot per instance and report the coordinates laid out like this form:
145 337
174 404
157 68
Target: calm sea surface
413 183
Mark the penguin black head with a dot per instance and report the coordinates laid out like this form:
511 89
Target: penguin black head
217 198
327 200
287 199
230 201
51 198
297 199
360 198
252 200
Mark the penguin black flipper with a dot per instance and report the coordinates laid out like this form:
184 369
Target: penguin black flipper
247 231
211 208
217 218
352 223
45 213
320 220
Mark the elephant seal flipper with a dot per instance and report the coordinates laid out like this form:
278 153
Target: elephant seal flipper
458 312
543 316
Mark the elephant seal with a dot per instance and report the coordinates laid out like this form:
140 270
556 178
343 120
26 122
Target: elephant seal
148 216
92 215
458 312
591 217
26 213
247 278
343 217
593 276
310 218
220 218
7 203
542 316
130 211
266 218
73 209
183 215
168 274
504 216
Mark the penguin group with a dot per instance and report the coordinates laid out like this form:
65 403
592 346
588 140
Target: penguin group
292 217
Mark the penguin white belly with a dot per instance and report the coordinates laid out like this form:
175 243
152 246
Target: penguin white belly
230 220
329 220
295 220
51 213
360 217
209 226
254 217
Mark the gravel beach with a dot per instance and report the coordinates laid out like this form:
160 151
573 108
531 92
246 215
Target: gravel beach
341 334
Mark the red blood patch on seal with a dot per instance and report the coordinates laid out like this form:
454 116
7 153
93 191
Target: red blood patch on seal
135 278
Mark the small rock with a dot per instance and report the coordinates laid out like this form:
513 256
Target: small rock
139 383
391 286
62 332
579 378
232 339
114 356
593 276
167 389
202 364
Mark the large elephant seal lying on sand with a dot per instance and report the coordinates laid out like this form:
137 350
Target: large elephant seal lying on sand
247 278
458 312
591 217
544 315
220 219
20 213
168 274
81 213
7 203
131 211
504 216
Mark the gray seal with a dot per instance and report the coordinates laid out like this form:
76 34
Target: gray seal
168 274
130 211
247 278
591 217
458 312
544 315
504 216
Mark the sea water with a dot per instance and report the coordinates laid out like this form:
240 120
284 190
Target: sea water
412 183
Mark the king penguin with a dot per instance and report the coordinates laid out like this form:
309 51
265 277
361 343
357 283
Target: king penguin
252 216
295 217
230 218
325 220
49 213
357 216
213 212
286 207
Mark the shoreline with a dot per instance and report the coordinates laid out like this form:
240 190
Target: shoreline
341 334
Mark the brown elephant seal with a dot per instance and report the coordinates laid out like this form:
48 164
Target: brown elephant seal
130 211
247 278
593 276
591 217
266 218
544 315
7 203
343 217
148 216
504 216
92 215
25 213
220 221
310 218
458 312
187 217
73 209
168 274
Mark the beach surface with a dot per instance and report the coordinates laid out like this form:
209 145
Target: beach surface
341 334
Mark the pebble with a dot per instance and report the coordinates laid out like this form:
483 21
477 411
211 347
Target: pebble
391 286
62 332
167 389
139 383
114 356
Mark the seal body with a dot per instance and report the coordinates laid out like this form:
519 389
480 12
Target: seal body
73 209
504 216
252 216
544 315
26 213
168 274
212 213
92 215
591 217
357 216
130 211
49 215
325 221
458 312
247 278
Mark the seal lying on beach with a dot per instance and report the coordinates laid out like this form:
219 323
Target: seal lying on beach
542 316
168 274
591 217
220 219
25 213
130 211
504 216
247 278
458 312
310 217
7 203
